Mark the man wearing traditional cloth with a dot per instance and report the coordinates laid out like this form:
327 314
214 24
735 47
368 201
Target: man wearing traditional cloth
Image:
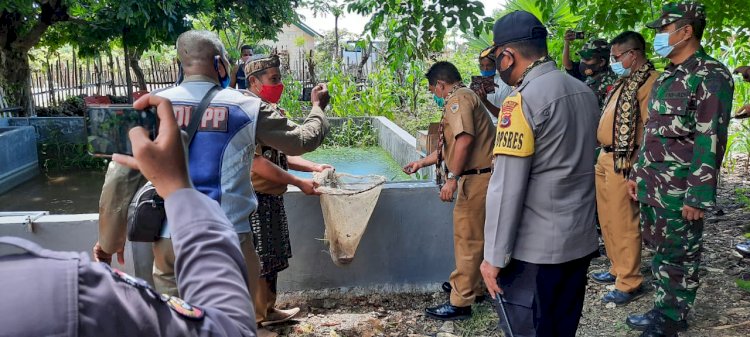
270 180
620 130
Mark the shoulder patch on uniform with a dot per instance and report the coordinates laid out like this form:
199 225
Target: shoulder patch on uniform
454 107
514 136
184 309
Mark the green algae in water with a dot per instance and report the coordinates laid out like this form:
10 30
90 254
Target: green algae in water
357 161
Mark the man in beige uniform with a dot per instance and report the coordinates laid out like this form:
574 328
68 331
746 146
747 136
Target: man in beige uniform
619 133
465 144
203 60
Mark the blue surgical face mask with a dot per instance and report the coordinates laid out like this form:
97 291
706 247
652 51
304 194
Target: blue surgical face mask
661 43
488 73
439 101
223 81
618 69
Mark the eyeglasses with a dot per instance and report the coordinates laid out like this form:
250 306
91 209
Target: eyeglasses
616 58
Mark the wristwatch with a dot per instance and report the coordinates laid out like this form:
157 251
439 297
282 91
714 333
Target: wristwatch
453 176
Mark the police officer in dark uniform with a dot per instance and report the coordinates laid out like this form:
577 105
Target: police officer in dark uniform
47 293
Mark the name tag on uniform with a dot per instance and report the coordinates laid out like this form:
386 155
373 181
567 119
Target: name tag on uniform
514 136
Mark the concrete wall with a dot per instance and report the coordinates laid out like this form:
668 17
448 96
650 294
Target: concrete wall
19 160
408 241
62 129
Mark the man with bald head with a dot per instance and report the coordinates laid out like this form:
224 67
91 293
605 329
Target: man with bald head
220 154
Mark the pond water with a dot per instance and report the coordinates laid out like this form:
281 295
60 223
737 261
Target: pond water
59 193
78 191
357 161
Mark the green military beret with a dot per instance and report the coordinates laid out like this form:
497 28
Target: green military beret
595 47
674 11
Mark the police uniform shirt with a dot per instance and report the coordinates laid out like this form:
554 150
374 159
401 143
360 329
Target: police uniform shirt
64 294
496 98
464 113
540 201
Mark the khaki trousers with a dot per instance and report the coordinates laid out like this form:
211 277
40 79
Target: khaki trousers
164 276
265 301
619 219
468 238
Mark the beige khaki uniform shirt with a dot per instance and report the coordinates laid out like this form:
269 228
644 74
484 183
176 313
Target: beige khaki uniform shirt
604 132
464 112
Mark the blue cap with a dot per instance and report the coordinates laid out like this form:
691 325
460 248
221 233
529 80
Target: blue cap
517 26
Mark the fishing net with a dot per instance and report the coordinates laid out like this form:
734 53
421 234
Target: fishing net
347 203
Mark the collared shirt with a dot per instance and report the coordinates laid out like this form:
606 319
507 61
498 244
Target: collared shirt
465 113
604 134
502 90
540 208
686 134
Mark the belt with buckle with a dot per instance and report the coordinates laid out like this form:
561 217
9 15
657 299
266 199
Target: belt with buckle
610 148
476 171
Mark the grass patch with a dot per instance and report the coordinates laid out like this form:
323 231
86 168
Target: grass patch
483 322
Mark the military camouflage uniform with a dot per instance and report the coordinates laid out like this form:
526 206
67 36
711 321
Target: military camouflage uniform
602 82
679 161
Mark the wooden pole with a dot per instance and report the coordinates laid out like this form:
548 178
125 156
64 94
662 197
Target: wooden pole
50 86
111 64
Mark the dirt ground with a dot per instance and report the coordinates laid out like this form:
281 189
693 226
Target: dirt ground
721 309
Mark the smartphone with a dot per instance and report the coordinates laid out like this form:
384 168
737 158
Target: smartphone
306 94
488 83
580 35
107 128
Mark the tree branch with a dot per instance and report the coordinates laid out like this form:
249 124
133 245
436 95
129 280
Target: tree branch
52 12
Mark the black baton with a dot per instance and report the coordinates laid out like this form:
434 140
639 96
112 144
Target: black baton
501 303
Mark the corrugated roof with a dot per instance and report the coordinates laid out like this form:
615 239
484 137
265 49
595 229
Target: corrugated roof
305 28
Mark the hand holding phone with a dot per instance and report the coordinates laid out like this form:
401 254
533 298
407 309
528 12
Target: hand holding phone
485 83
107 128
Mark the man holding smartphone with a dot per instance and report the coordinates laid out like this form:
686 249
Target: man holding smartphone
593 68
491 100
220 155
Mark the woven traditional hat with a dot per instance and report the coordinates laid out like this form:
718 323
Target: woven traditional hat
261 64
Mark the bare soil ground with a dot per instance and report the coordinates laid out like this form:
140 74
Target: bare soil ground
721 309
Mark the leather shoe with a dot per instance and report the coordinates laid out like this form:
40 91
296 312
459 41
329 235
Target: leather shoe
743 248
448 312
277 316
603 278
654 320
621 298
447 288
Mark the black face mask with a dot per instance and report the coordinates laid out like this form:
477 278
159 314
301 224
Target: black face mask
505 74
588 69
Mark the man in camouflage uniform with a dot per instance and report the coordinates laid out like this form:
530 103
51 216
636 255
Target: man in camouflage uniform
593 69
676 173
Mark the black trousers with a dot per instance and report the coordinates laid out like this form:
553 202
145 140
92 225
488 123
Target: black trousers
543 299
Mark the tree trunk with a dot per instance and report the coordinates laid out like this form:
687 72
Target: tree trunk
15 79
133 59
365 57
336 51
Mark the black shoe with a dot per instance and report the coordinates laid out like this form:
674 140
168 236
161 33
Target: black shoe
743 248
447 287
448 312
654 319
622 298
603 278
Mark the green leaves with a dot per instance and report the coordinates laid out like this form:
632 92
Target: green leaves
415 29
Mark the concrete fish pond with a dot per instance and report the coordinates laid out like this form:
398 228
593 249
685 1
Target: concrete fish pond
408 239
